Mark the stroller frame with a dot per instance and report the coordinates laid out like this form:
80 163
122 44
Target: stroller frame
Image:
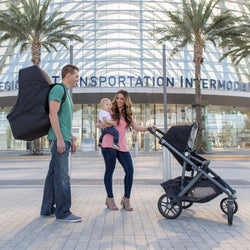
171 203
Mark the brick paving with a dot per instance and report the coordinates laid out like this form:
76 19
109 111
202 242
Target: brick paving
202 226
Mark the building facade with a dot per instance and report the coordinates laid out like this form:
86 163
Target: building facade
119 52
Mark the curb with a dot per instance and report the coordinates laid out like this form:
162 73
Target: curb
24 158
229 156
48 157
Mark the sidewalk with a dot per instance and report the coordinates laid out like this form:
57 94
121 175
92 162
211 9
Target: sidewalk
202 226
215 153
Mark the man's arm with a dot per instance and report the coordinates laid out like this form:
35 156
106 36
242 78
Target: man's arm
54 107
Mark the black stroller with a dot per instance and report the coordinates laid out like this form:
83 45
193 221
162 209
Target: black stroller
201 186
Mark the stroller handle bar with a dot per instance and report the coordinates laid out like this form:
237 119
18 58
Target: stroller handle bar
154 131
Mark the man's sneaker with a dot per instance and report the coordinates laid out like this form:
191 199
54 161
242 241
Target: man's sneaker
116 145
71 218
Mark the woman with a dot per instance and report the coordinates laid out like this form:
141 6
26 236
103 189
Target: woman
122 114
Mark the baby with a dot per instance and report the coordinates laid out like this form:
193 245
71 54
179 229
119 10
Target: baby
105 117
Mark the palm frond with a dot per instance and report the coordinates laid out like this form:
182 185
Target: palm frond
237 42
24 47
47 46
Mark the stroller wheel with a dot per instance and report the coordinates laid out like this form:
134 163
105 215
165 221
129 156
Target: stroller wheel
224 206
186 204
230 212
169 206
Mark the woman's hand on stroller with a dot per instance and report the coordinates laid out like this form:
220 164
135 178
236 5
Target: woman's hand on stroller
152 128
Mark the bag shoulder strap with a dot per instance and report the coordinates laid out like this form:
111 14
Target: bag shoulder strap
64 94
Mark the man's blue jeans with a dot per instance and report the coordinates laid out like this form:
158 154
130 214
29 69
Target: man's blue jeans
110 155
57 184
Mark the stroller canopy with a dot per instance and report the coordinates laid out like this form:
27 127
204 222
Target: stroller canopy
182 136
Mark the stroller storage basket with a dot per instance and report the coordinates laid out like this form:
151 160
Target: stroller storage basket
203 191
174 185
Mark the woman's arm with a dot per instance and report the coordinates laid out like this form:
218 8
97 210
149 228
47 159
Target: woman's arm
140 128
109 122
102 125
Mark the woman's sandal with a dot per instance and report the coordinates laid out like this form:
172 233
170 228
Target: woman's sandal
125 202
110 202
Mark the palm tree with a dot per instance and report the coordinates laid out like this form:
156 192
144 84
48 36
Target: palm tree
28 25
196 25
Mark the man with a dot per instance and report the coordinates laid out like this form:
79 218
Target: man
57 192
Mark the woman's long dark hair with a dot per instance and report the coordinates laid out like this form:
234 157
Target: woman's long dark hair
126 111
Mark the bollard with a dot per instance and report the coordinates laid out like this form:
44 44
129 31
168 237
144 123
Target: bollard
69 165
99 152
136 149
167 164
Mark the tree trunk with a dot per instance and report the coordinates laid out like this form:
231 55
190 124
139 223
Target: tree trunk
198 60
36 147
198 109
36 54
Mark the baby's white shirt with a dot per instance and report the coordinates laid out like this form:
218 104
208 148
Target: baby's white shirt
102 114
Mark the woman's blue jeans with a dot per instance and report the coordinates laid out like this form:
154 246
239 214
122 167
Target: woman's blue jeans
110 155
57 184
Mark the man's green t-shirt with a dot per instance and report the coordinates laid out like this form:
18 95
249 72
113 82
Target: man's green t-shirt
65 113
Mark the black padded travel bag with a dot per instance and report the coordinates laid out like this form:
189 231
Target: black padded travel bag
29 117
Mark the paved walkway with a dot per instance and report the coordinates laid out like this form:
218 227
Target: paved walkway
202 226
